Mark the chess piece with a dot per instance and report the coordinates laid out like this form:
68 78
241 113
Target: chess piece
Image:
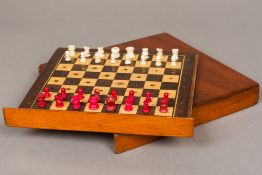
166 98
82 57
148 97
93 103
41 103
159 56
174 57
129 54
114 94
80 93
143 60
146 107
71 49
145 53
100 52
115 54
128 104
163 106
87 51
76 104
59 101
47 92
97 94
67 56
63 93
131 95
110 103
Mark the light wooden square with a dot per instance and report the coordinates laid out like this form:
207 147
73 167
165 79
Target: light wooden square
163 59
103 90
123 111
157 71
138 63
87 82
65 67
138 92
170 78
56 80
70 88
152 85
120 100
171 93
95 68
125 69
97 110
77 55
152 103
177 66
138 77
108 63
168 113
66 104
85 99
107 75
120 83
88 61
76 74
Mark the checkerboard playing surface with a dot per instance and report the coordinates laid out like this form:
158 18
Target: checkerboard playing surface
118 76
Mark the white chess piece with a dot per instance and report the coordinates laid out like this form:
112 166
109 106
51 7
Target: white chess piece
128 60
97 58
87 51
174 57
72 49
100 51
115 54
130 52
144 53
82 57
159 56
143 60
67 56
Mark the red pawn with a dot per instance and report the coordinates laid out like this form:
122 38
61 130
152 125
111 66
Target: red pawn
80 93
76 104
41 100
59 101
129 104
63 93
97 94
110 103
47 92
93 103
146 107
131 95
148 97
114 94
163 106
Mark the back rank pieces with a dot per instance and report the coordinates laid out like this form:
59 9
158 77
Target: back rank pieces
114 81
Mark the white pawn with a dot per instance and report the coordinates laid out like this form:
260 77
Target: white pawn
174 57
130 52
100 51
82 57
87 51
67 56
159 56
145 53
72 49
115 52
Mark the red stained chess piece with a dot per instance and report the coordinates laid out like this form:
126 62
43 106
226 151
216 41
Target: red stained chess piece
80 93
129 104
47 92
164 103
93 103
148 97
59 101
76 104
41 100
63 93
114 94
110 103
97 94
146 107
131 95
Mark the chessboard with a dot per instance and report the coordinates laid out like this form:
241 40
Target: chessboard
176 80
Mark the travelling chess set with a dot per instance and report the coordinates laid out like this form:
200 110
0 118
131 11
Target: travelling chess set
138 94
